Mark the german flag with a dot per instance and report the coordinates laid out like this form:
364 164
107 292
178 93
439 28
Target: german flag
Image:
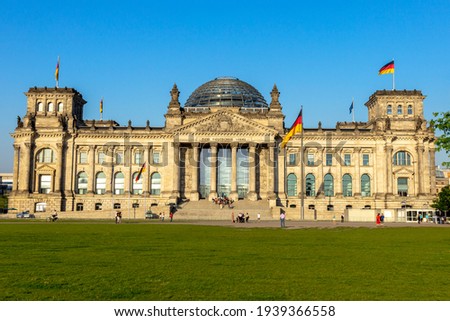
387 68
57 70
296 127
101 106
142 170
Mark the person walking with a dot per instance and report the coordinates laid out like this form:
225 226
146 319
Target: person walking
342 218
282 219
378 219
171 216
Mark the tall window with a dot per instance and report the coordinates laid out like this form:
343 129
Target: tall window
40 106
119 158
347 185
402 158
310 185
45 156
243 171
51 107
389 110
292 185
292 159
83 157
138 158
119 183
137 184
402 186
310 161
399 110
60 107
156 158
365 159
100 183
328 159
410 109
82 183
101 158
45 184
156 183
347 159
328 185
365 185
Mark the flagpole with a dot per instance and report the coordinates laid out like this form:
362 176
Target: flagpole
302 199
353 110
393 78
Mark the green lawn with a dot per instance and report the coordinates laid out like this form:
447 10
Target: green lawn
104 261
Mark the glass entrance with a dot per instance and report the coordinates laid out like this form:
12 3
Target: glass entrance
224 172
205 172
242 168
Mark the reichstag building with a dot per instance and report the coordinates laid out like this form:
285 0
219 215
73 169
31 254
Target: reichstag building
223 142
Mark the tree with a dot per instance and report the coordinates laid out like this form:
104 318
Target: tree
442 123
442 202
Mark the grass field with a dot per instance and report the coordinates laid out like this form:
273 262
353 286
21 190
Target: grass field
104 261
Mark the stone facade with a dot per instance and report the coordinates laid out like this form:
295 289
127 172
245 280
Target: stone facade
67 163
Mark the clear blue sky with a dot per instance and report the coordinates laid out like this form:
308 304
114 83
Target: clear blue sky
319 53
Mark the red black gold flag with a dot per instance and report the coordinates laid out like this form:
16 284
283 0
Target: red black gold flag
142 170
297 127
387 68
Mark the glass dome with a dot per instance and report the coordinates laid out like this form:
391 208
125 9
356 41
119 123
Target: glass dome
226 92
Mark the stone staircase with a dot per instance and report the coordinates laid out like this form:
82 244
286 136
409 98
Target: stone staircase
206 210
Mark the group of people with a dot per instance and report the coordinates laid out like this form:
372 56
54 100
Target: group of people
118 217
162 216
241 218
380 219
223 201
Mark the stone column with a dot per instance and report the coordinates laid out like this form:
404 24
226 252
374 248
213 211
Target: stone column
16 165
176 172
357 186
127 162
282 174
213 187
389 176
234 194
271 171
25 164
194 164
91 172
252 175
420 171
146 175
110 184
59 168
432 170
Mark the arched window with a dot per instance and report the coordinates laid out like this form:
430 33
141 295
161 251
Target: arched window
399 109
292 185
389 110
119 183
50 108
45 156
328 185
402 158
410 110
40 106
100 183
156 183
347 185
137 183
310 185
60 107
82 182
365 185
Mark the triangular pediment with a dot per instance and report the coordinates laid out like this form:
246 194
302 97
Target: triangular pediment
224 122
45 169
403 171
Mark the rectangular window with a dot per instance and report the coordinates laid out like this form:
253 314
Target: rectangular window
83 157
365 159
119 158
138 158
101 158
156 158
292 159
328 159
402 186
79 207
45 182
347 159
310 161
